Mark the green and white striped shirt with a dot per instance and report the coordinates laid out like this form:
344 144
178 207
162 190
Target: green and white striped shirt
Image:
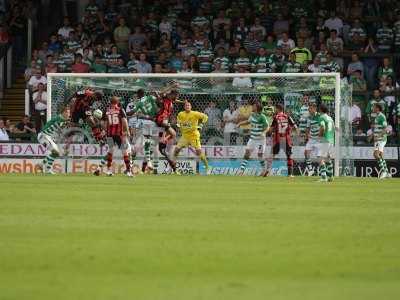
313 123
259 124
380 125
53 126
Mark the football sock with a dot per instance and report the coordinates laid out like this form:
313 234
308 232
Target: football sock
109 158
147 150
290 166
308 164
49 160
243 165
262 163
127 162
329 168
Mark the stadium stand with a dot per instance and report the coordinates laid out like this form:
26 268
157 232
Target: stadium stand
361 39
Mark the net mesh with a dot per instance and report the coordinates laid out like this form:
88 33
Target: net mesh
215 95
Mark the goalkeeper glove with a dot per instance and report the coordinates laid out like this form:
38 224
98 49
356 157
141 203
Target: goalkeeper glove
200 126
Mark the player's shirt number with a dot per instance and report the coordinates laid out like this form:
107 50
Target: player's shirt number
113 119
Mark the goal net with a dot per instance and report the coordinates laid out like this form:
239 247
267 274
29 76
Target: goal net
226 98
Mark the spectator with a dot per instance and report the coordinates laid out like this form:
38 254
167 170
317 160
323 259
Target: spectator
176 62
286 43
222 59
263 63
55 45
302 54
242 61
118 67
241 31
98 66
3 132
193 64
251 43
355 117
79 66
355 65
281 25
334 23
315 67
143 66
50 67
388 88
137 39
30 71
65 29
370 63
230 116
200 21
36 79
40 101
258 30
269 44
212 128
386 69
242 82
357 36
222 26
359 86
384 37
334 44
4 36
72 44
205 58
165 27
25 129
322 54
331 65
121 35
292 66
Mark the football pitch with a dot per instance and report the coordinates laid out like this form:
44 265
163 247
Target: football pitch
198 237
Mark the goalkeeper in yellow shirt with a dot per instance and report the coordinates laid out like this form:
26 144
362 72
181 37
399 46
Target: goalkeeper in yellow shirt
189 122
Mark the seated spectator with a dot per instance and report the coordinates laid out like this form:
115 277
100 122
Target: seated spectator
258 30
30 71
241 31
213 125
200 21
302 54
137 39
119 67
143 66
269 44
205 57
234 49
193 63
44 51
330 65
222 26
355 65
355 117
230 116
316 66
334 23
222 59
189 48
286 43
55 45
242 61
358 81
65 29
25 130
385 70
4 36
281 25
72 44
3 132
334 44
50 66
165 27
40 101
242 82
263 63
36 79
176 62
357 35
384 37
121 35
112 57
251 43
36 58
387 88
292 66
79 66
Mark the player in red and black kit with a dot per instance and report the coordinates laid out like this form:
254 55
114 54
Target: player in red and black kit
81 111
166 104
281 129
116 124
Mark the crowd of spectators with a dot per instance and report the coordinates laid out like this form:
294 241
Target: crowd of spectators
360 39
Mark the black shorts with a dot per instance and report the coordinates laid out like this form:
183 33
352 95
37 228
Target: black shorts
114 140
81 114
277 147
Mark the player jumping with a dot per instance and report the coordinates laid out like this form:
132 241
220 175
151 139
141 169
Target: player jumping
259 126
312 137
47 136
117 136
380 138
189 122
281 128
326 148
81 111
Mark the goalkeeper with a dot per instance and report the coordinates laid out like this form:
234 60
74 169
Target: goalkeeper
47 136
190 122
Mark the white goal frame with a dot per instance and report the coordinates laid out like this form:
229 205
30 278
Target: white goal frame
337 89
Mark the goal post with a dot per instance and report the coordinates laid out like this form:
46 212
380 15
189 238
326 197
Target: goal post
288 89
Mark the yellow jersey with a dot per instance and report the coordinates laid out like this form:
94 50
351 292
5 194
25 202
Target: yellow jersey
188 122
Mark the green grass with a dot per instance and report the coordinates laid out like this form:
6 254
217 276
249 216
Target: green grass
78 237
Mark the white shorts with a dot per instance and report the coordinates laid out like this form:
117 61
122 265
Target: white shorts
256 144
48 142
326 150
149 128
378 146
313 146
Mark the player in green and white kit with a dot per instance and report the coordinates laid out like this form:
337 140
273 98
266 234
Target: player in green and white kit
259 126
47 136
146 109
380 138
326 146
312 136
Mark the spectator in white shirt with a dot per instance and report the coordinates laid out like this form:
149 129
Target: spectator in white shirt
30 70
3 132
66 29
355 115
242 82
334 22
36 79
165 27
286 43
230 116
40 100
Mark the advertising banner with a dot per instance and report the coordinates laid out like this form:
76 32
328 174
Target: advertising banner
232 167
